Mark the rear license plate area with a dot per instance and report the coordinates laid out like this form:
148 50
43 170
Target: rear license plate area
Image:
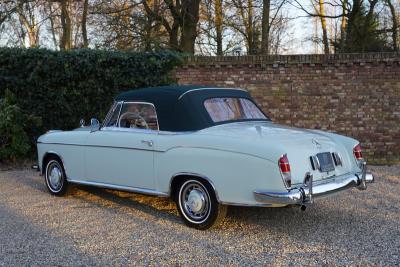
325 162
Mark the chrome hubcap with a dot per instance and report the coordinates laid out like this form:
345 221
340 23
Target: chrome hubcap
195 201
54 176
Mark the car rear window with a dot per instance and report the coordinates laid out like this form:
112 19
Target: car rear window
231 109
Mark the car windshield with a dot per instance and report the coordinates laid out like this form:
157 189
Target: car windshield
231 109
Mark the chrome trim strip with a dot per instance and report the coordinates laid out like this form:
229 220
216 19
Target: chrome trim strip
218 149
208 88
318 165
128 130
117 147
120 188
194 175
176 133
304 195
245 205
338 159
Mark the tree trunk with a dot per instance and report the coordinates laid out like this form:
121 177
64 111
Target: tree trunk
343 25
395 25
354 12
147 34
190 18
218 25
323 26
173 36
250 28
27 19
52 25
84 19
33 35
265 27
32 31
188 37
156 25
173 29
247 19
66 38
148 25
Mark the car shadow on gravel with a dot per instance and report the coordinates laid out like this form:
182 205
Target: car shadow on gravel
155 206
320 222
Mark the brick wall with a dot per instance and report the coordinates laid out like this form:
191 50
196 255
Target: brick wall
353 94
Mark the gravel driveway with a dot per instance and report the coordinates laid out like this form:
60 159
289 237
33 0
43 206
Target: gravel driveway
103 227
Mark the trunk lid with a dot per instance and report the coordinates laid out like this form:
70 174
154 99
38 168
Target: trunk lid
268 140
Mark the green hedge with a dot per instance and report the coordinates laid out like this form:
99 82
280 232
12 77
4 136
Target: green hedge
63 87
14 126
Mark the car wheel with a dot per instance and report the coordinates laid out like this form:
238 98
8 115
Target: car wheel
56 181
198 205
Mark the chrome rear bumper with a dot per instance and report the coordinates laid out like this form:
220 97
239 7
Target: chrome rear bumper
305 194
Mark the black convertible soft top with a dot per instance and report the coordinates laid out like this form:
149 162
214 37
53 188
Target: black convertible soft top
181 108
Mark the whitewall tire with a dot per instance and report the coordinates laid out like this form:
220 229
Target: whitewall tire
197 204
56 181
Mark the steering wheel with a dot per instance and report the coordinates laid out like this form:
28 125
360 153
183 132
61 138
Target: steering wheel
134 116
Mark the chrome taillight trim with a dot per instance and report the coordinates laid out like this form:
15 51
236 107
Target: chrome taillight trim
359 161
354 154
285 175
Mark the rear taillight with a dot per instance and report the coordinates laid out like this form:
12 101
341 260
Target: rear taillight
284 167
357 152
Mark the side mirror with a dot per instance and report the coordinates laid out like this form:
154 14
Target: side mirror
94 124
82 123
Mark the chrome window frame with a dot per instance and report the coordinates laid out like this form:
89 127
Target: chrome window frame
120 129
207 88
110 113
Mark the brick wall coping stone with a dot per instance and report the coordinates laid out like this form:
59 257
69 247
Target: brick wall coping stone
387 57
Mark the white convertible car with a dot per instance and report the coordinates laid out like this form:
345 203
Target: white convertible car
204 147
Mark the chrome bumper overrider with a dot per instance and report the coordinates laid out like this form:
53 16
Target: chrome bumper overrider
304 194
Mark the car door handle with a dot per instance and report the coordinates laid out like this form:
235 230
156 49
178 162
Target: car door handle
148 142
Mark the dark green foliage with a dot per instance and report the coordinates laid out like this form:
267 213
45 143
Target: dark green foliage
362 34
62 87
15 127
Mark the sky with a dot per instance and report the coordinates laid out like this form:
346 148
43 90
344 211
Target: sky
297 40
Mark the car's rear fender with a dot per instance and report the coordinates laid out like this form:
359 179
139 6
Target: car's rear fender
233 175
